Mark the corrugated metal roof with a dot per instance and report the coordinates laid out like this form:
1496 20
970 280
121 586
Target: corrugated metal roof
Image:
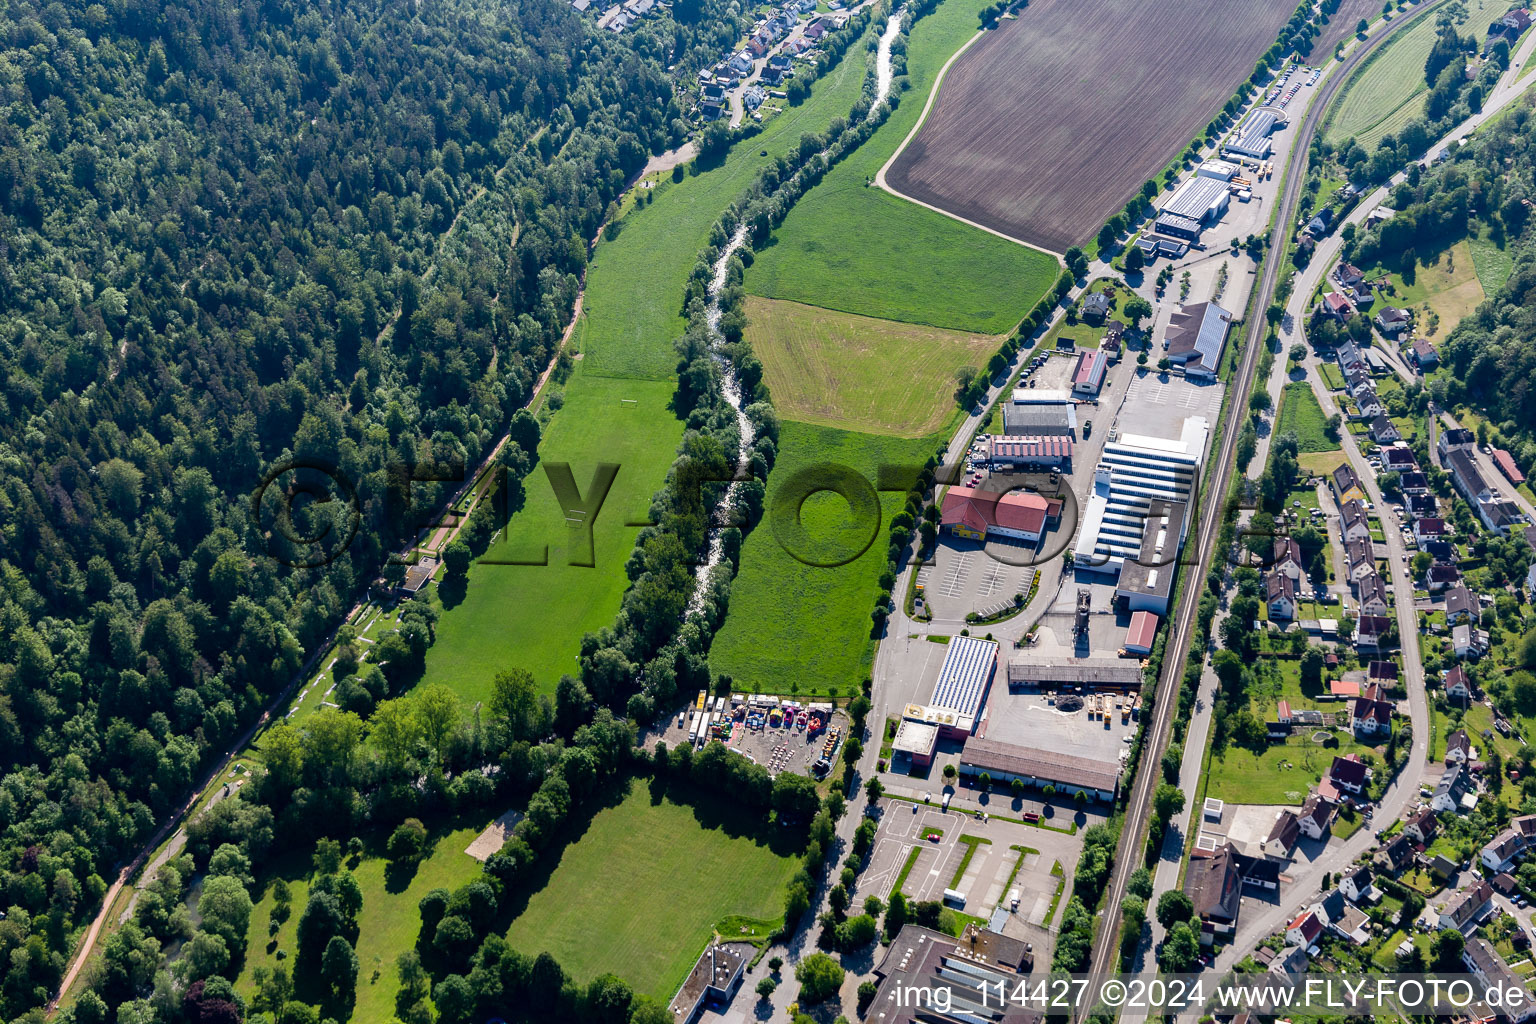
1196 198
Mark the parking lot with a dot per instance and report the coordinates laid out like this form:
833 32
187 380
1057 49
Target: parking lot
1022 853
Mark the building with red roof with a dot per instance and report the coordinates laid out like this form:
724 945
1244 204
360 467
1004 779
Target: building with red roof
1142 632
973 513
1506 464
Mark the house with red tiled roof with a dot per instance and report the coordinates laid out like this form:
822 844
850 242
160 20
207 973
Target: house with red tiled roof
975 514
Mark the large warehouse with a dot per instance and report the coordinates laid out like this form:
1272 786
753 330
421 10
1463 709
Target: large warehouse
1136 479
1004 762
1033 419
977 514
962 686
1195 339
1097 674
1193 206
1146 581
1252 137
1007 452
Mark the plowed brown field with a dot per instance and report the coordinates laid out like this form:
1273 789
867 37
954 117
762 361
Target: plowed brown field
1044 128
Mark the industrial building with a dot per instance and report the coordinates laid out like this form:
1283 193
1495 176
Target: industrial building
714 980
1070 774
1142 633
1074 674
1195 339
1032 419
1194 205
1138 479
1008 452
1088 378
1218 169
962 686
1146 582
1252 137
977 514
933 978
917 740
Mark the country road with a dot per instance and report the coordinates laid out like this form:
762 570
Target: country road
1128 858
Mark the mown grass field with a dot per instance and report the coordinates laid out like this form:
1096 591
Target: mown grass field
1446 282
853 247
859 373
1283 774
633 305
640 892
387 925
533 616
1493 262
1389 90
1300 412
792 623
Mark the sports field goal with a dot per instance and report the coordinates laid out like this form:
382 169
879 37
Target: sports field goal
629 401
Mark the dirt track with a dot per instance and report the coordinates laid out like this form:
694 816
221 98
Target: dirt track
1047 125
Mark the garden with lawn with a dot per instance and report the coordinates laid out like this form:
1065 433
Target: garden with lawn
809 623
850 246
1284 772
640 891
1302 415
1441 288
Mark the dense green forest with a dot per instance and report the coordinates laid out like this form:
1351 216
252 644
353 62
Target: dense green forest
1485 189
233 234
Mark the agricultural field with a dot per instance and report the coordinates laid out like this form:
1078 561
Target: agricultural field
642 889
1300 412
855 248
1341 28
632 311
1050 123
838 369
792 624
1444 283
387 924
1388 91
533 616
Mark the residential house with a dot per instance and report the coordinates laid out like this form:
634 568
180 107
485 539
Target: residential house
1455 439
1373 594
1095 308
1349 773
1396 855
1371 717
1429 528
1212 884
1282 835
1354 523
1423 354
1360 558
1280 595
1346 485
1454 792
1414 484
1390 320
1368 405
1349 276
1458 745
1467 908
1384 431
1422 826
1316 816
1501 852
1350 922
1356 885
1287 558
1352 360
1440 575
753 96
1399 458
1289 963
1382 673
741 63
1468 641
1457 684
1304 930
1371 632
1495 973
1336 306
1460 605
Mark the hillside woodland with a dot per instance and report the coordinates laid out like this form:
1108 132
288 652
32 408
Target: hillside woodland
232 234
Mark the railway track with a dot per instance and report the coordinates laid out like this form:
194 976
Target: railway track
1138 812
